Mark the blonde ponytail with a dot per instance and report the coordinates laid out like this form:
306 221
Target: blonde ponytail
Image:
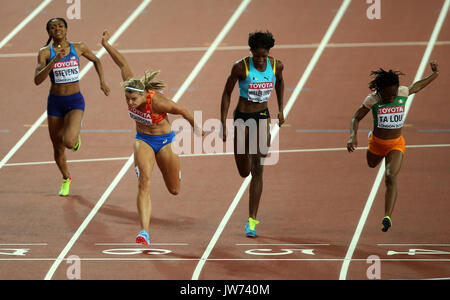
147 82
150 83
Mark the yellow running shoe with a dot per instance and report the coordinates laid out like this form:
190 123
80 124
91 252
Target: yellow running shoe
250 227
78 145
65 187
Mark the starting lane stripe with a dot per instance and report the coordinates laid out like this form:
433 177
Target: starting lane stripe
25 21
229 259
292 99
381 170
130 160
215 154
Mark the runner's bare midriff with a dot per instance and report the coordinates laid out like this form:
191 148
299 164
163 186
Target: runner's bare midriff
156 129
387 134
246 106
65 89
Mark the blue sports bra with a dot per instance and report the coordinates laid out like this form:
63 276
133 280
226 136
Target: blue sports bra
257 86
67 70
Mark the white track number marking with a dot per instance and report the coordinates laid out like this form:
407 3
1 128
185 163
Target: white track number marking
420 252
135 251
13 252
283 251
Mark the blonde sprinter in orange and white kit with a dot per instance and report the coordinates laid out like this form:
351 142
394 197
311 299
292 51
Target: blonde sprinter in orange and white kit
154 135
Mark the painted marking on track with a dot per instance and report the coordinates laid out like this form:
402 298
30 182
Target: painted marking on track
419 252
136 251
433 130
24 22
282 244
408 245
108 259
14 251
134 244
381 170
283 251
215 154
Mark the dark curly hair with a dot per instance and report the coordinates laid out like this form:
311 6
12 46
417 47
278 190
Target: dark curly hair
48 27
261 40
384 79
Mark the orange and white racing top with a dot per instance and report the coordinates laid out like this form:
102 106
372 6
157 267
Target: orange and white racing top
146 117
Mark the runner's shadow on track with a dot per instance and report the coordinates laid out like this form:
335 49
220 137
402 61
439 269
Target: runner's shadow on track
129 217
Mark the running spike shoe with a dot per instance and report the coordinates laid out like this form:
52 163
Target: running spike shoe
78 145
386 224
143 238
250 227
65 187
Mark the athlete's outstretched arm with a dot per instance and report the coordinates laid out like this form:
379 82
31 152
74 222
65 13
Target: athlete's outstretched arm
117 57
162 104
352 144
226 96
417 86
86 52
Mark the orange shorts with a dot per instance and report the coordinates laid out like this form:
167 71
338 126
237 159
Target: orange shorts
382 147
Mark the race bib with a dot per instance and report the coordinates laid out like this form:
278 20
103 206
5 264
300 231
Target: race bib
66 71
259 91
141 117
391 117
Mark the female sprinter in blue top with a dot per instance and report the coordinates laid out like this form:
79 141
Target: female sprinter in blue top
65 104
258 75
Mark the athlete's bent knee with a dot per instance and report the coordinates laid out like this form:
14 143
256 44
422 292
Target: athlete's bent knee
70 142
390 179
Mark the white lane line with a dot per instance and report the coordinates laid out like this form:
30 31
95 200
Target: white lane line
292 99
122 172
26 244
282 244
33 163
25 21
232 259
130 160
69 161
376 185
240 48
409 245
211 49
134 244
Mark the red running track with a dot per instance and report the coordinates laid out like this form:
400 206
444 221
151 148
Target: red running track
312 201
